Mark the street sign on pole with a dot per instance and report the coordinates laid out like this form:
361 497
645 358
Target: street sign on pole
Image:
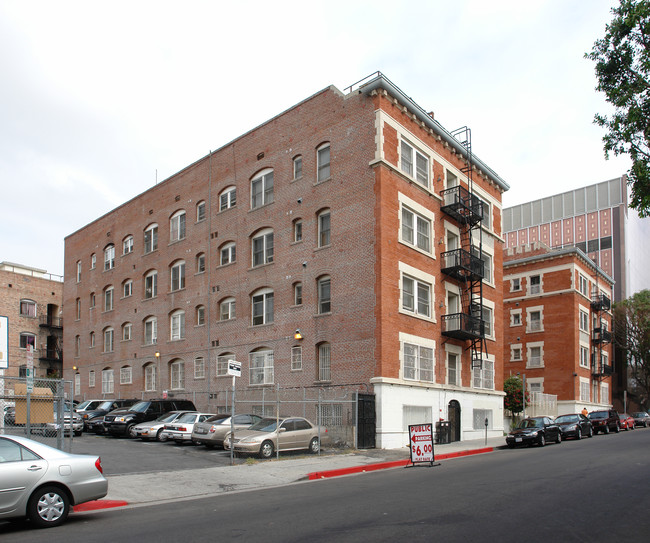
234 368
421 443
30 368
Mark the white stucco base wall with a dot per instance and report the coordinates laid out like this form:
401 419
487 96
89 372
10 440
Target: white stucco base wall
570 407
391 398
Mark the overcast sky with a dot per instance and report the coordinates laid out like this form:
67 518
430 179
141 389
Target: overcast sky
100 99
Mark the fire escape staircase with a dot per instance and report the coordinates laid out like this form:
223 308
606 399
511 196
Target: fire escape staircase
600 335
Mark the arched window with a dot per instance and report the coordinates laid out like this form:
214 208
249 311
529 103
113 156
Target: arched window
324 228
150 377
227 253
177 325
27 308
324 294
177 274
200 211
262 306
262 247
127 245
324 361
297 230
78 271
297 167
200 263
297 293
227 309
262 189
109 338
127 329
150 238
108 382
127 288
200 315
108 298
222 363
126 375
150 330
151 284
109 257
199 367
91 339
227 198
323 162
261 367
177 374
177 226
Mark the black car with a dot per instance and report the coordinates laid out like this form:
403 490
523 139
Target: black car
96 424
105 408
534 430
120 424
10 416
574 426
605 421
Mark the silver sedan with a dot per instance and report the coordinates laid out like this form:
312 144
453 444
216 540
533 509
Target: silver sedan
43 483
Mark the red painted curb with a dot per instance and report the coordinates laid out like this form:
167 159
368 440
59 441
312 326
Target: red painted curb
386 465
98 504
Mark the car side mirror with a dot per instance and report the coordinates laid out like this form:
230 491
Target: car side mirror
283 429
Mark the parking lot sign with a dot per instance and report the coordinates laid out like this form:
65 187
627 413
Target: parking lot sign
234 368
421 443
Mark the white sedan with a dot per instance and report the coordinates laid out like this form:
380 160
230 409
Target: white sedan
180 430
43 483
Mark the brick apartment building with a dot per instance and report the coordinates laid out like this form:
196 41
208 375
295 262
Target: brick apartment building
352 218
31 299
557 324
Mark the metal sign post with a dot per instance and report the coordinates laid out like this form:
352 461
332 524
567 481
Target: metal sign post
234 369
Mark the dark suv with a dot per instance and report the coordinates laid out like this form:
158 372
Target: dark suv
605 421
120 424
105 408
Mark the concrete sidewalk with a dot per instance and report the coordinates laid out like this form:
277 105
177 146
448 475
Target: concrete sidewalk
160 487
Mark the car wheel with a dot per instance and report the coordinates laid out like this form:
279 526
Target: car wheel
314 446
632 427
130 431
616 429
578 433
77 434
541 440
207 445
48 506
559 438
266 449
606 429
591 432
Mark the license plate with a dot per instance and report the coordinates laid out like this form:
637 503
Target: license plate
518 440
201 431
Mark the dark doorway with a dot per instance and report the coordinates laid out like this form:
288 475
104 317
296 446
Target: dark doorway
453 414
366 420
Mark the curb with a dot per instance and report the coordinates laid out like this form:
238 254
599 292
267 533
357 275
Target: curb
96 505
387 465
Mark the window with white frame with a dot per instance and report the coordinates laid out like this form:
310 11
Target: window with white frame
108 299
150 375
297 167
262 189
109 257
261 367
487 314
77 384
27 308
486 221
296 358
93 261
324 295
483 377
515 317
262 248
127 245
91 378
583 285
127 288
200 315
177 325
418 362
324 228
227 198
416 230
584 390
200 211
150 331
297 293
584 321
91 301
126 375
453 369
27 339
324 362
535 355
515 284
535 284
177 375
177 226
604 393
200 263
414 163
534 320
151 284
78 271
222 363
227 309
323 162
297 230
91 339
515 353
262 307
109 336
77 346
584 356
416 296
127 329
535 386
228 253
178 276
151 238
199 367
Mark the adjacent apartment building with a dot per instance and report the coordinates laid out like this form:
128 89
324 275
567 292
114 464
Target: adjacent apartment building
349 241
31 299
558 324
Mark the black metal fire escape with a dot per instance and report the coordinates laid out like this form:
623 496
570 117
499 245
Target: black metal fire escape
465 264
600 303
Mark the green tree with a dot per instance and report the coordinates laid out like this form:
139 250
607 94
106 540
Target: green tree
632 333
622 60
513 401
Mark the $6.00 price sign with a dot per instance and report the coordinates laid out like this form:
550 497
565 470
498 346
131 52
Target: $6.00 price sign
421 442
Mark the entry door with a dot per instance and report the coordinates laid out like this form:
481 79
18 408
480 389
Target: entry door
454 420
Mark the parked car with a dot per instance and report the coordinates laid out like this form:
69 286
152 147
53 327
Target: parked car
605 421
627 422
72 422
641 418
96 424
574 426
104 408
213 431
10 415
269 434
120 425
180 430
534 430
42 483
153 429
87 405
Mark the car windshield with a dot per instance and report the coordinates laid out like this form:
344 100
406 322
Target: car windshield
530 423
187 417
105 406
598 415
167 417
566 418
88 405
140 407
265 425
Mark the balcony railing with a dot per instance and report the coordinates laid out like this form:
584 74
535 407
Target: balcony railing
462 326
51 322
602 370
600 302
601 335
462 205
461 264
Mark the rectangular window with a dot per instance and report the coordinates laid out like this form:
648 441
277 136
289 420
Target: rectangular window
515 319
107 382
584 356
515 353
261 368
262 190
515 285
535 322
452 369
416 296
583 285
263 309
584 321
409 156
487 321
296 358
479 416
323 229
150 378
178 276
535 284
177 227
483 377
150 239
108 299
418 363
324 363
91 378
416 230
126 375
177 326
323 158
297 167
27 308
324 295
584 391
535 357
263 249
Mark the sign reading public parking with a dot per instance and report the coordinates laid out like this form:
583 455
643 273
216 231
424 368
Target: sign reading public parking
234 368
421 443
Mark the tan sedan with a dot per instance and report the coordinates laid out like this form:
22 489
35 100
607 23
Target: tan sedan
213 431
285 434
